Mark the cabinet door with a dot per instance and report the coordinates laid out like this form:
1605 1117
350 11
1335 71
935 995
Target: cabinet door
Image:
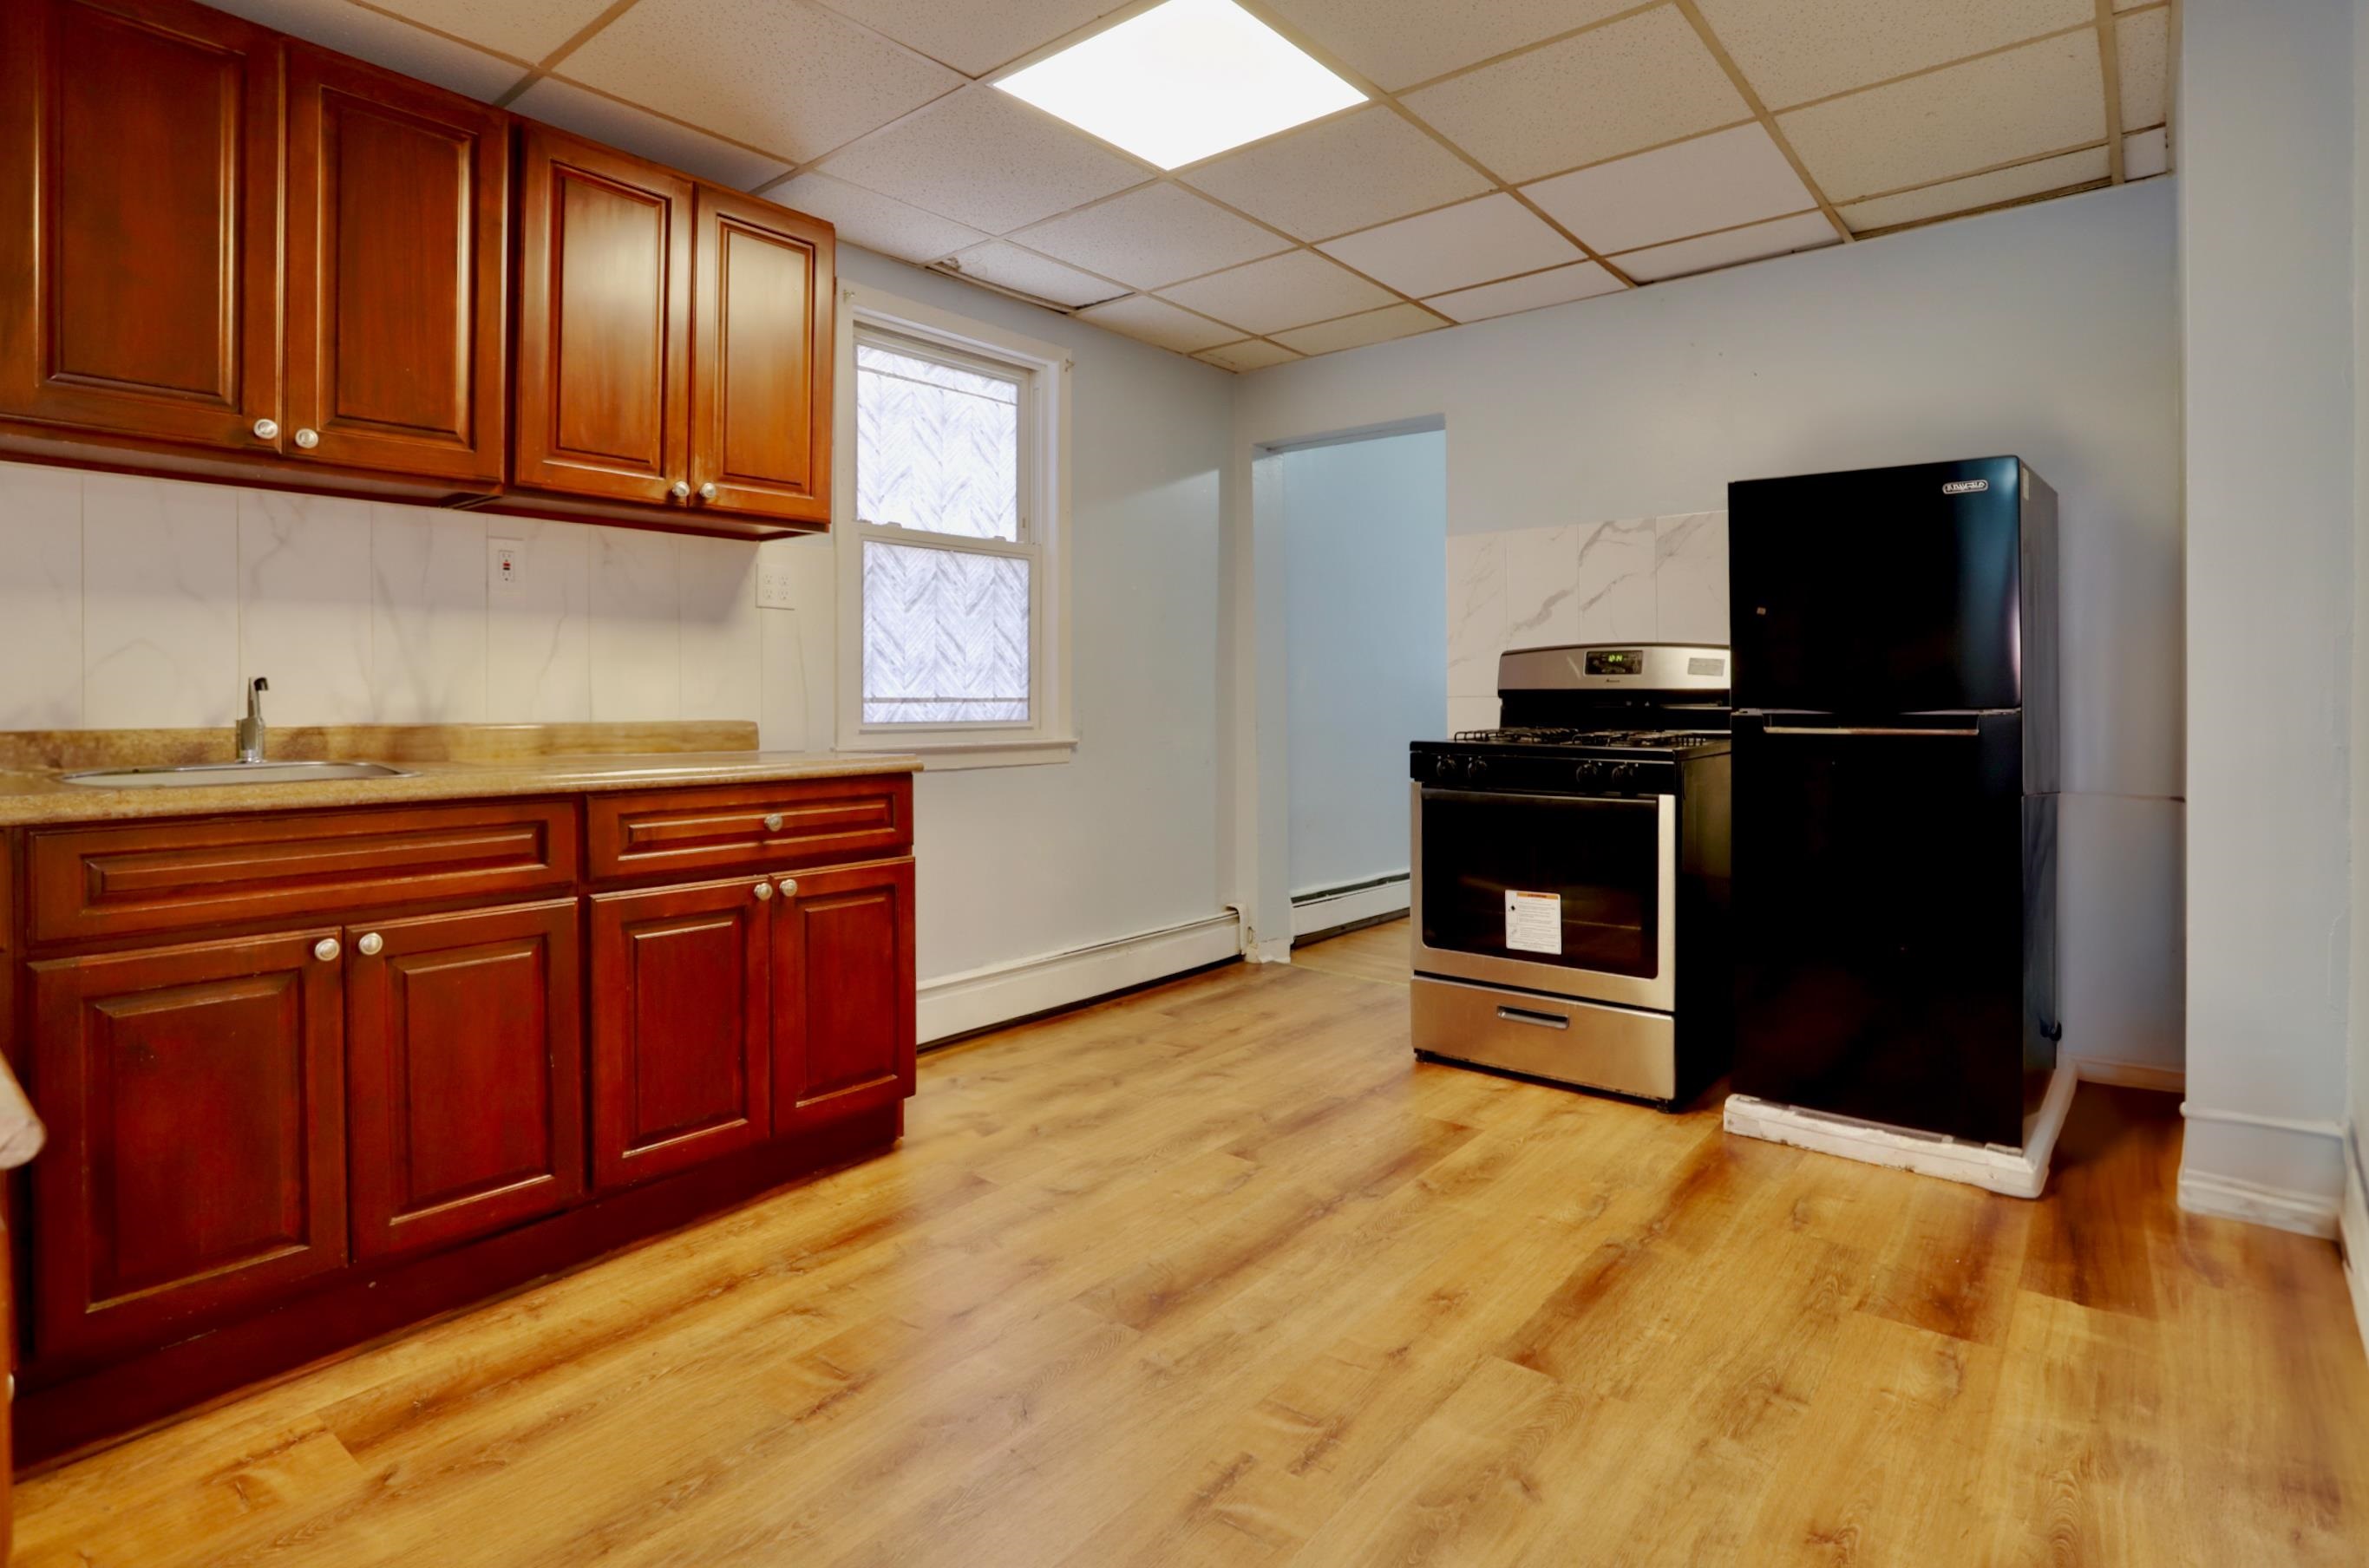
139 219
604 321
761 394
680 1066
843 993
466 1060
195 1098
398 227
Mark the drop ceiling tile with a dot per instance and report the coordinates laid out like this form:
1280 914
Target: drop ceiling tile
1152 235
2147 155
1158 322
1804 230
1794 51
1347 173
1731 177
789 77
1607 91
1536 291
2042 97
572 107
527 29
975 38
876 221
1980 190
984 159
1455 247
1252 354
1357 331
1000 261
2143 48
1283 290
1397 43
383 41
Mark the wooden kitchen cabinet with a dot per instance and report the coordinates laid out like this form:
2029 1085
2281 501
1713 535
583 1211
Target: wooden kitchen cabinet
761 393
681 1070
140 266
465 1062
195 1097
398 253
843 994
604 372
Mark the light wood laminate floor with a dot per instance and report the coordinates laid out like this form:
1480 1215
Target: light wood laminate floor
1217 1275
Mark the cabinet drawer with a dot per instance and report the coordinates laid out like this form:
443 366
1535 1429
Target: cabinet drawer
705 832
102 882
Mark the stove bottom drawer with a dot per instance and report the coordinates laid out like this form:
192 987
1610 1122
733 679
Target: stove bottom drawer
1617 1049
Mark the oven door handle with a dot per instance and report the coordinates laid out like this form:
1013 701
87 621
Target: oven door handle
1538 1020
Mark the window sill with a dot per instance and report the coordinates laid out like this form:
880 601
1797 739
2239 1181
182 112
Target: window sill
955 756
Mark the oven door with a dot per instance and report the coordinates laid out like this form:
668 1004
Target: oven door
1571 895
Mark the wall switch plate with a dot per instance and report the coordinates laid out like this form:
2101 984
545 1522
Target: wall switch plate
773 586
505 564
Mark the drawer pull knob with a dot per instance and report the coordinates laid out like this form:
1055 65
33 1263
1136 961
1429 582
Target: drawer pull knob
773 822
707 491
326 949
680 488
308 439
789 887
371 945
267 429
764 890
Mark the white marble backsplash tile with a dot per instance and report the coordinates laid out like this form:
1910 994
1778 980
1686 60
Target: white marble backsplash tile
128 601
1636 580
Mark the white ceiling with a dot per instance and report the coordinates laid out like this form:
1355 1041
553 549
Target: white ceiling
1518 153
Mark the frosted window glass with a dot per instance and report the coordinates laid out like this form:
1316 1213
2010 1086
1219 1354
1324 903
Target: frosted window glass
946 636
937 447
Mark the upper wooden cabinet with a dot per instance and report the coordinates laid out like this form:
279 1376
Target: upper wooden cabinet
140 220
674 342
762 360
399 227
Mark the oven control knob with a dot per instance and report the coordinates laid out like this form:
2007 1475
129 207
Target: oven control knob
1477 770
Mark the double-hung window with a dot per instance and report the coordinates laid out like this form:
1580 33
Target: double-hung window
951 553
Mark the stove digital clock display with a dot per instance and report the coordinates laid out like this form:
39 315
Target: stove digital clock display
1614 661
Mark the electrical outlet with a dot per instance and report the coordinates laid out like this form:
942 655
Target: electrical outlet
773 590
505 564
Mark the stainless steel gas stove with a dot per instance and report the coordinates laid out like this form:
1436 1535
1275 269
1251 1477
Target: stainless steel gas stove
1571 874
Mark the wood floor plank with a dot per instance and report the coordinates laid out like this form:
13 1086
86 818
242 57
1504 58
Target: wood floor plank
1216 1275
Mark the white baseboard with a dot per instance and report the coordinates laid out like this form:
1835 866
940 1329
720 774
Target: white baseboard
2016 1172
1313 913
2131 1075
980 999
2281 1209
2352 1235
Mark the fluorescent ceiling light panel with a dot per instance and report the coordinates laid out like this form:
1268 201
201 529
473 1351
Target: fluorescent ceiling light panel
1182 82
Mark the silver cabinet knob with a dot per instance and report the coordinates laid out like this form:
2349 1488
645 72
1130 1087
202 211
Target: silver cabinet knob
267 429
308 439
773 822
707 491
371 945
763 890
681 488
789 887
326 949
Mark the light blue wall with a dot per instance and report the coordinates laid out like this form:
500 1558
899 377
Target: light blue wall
1366 530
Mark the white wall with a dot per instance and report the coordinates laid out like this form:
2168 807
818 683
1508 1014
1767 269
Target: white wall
2266 277
129 603
1365 626
2048 331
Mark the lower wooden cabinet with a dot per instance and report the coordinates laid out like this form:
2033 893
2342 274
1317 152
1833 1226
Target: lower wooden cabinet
465 1051
680 1068
195 1097
843 993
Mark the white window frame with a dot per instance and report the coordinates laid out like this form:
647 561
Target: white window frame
1050 734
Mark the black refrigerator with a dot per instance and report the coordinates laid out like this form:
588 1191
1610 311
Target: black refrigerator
1896 784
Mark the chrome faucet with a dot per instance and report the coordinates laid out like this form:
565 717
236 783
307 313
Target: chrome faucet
250 729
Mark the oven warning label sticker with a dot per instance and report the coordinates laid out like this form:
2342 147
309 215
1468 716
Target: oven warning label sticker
1534 923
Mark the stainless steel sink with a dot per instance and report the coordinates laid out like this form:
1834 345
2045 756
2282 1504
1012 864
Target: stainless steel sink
216 774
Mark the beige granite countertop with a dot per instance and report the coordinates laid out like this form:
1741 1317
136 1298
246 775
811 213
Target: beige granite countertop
441 762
